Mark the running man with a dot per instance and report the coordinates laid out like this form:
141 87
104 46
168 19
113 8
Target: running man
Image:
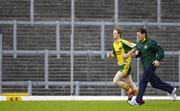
122 78
151 54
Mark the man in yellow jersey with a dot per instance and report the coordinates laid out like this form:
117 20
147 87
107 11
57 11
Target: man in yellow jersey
121 48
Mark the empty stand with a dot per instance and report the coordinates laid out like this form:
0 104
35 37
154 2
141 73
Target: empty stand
88 67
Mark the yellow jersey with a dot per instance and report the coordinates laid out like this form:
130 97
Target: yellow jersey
121 47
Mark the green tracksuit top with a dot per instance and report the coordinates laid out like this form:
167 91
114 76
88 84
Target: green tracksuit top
149 52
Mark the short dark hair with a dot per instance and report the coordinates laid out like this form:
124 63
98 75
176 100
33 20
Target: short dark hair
142 31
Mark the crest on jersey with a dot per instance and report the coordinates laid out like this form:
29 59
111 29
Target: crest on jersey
145 46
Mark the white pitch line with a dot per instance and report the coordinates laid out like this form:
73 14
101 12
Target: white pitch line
86 98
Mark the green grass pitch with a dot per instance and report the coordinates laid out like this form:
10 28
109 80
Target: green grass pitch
150 105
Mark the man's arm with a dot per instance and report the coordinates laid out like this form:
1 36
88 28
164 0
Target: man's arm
159 53
136 52
129 53
111 54
131 46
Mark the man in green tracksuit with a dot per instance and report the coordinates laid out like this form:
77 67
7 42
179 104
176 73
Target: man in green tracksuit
151 54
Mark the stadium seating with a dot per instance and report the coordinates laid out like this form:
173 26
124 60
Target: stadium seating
86 68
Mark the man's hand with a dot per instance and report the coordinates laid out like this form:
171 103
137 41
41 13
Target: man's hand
125 55
156 63
130 53
137 53
109 55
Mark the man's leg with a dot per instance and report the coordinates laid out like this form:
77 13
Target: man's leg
134 89
131 84
157 83
142 86
118 81
148 72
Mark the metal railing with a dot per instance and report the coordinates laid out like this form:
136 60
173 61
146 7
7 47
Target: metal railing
47 54
76 84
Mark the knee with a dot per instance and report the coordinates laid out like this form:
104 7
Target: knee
143 82
153 85
115 82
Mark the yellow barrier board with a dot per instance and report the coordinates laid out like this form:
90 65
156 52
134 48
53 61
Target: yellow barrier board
13 98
